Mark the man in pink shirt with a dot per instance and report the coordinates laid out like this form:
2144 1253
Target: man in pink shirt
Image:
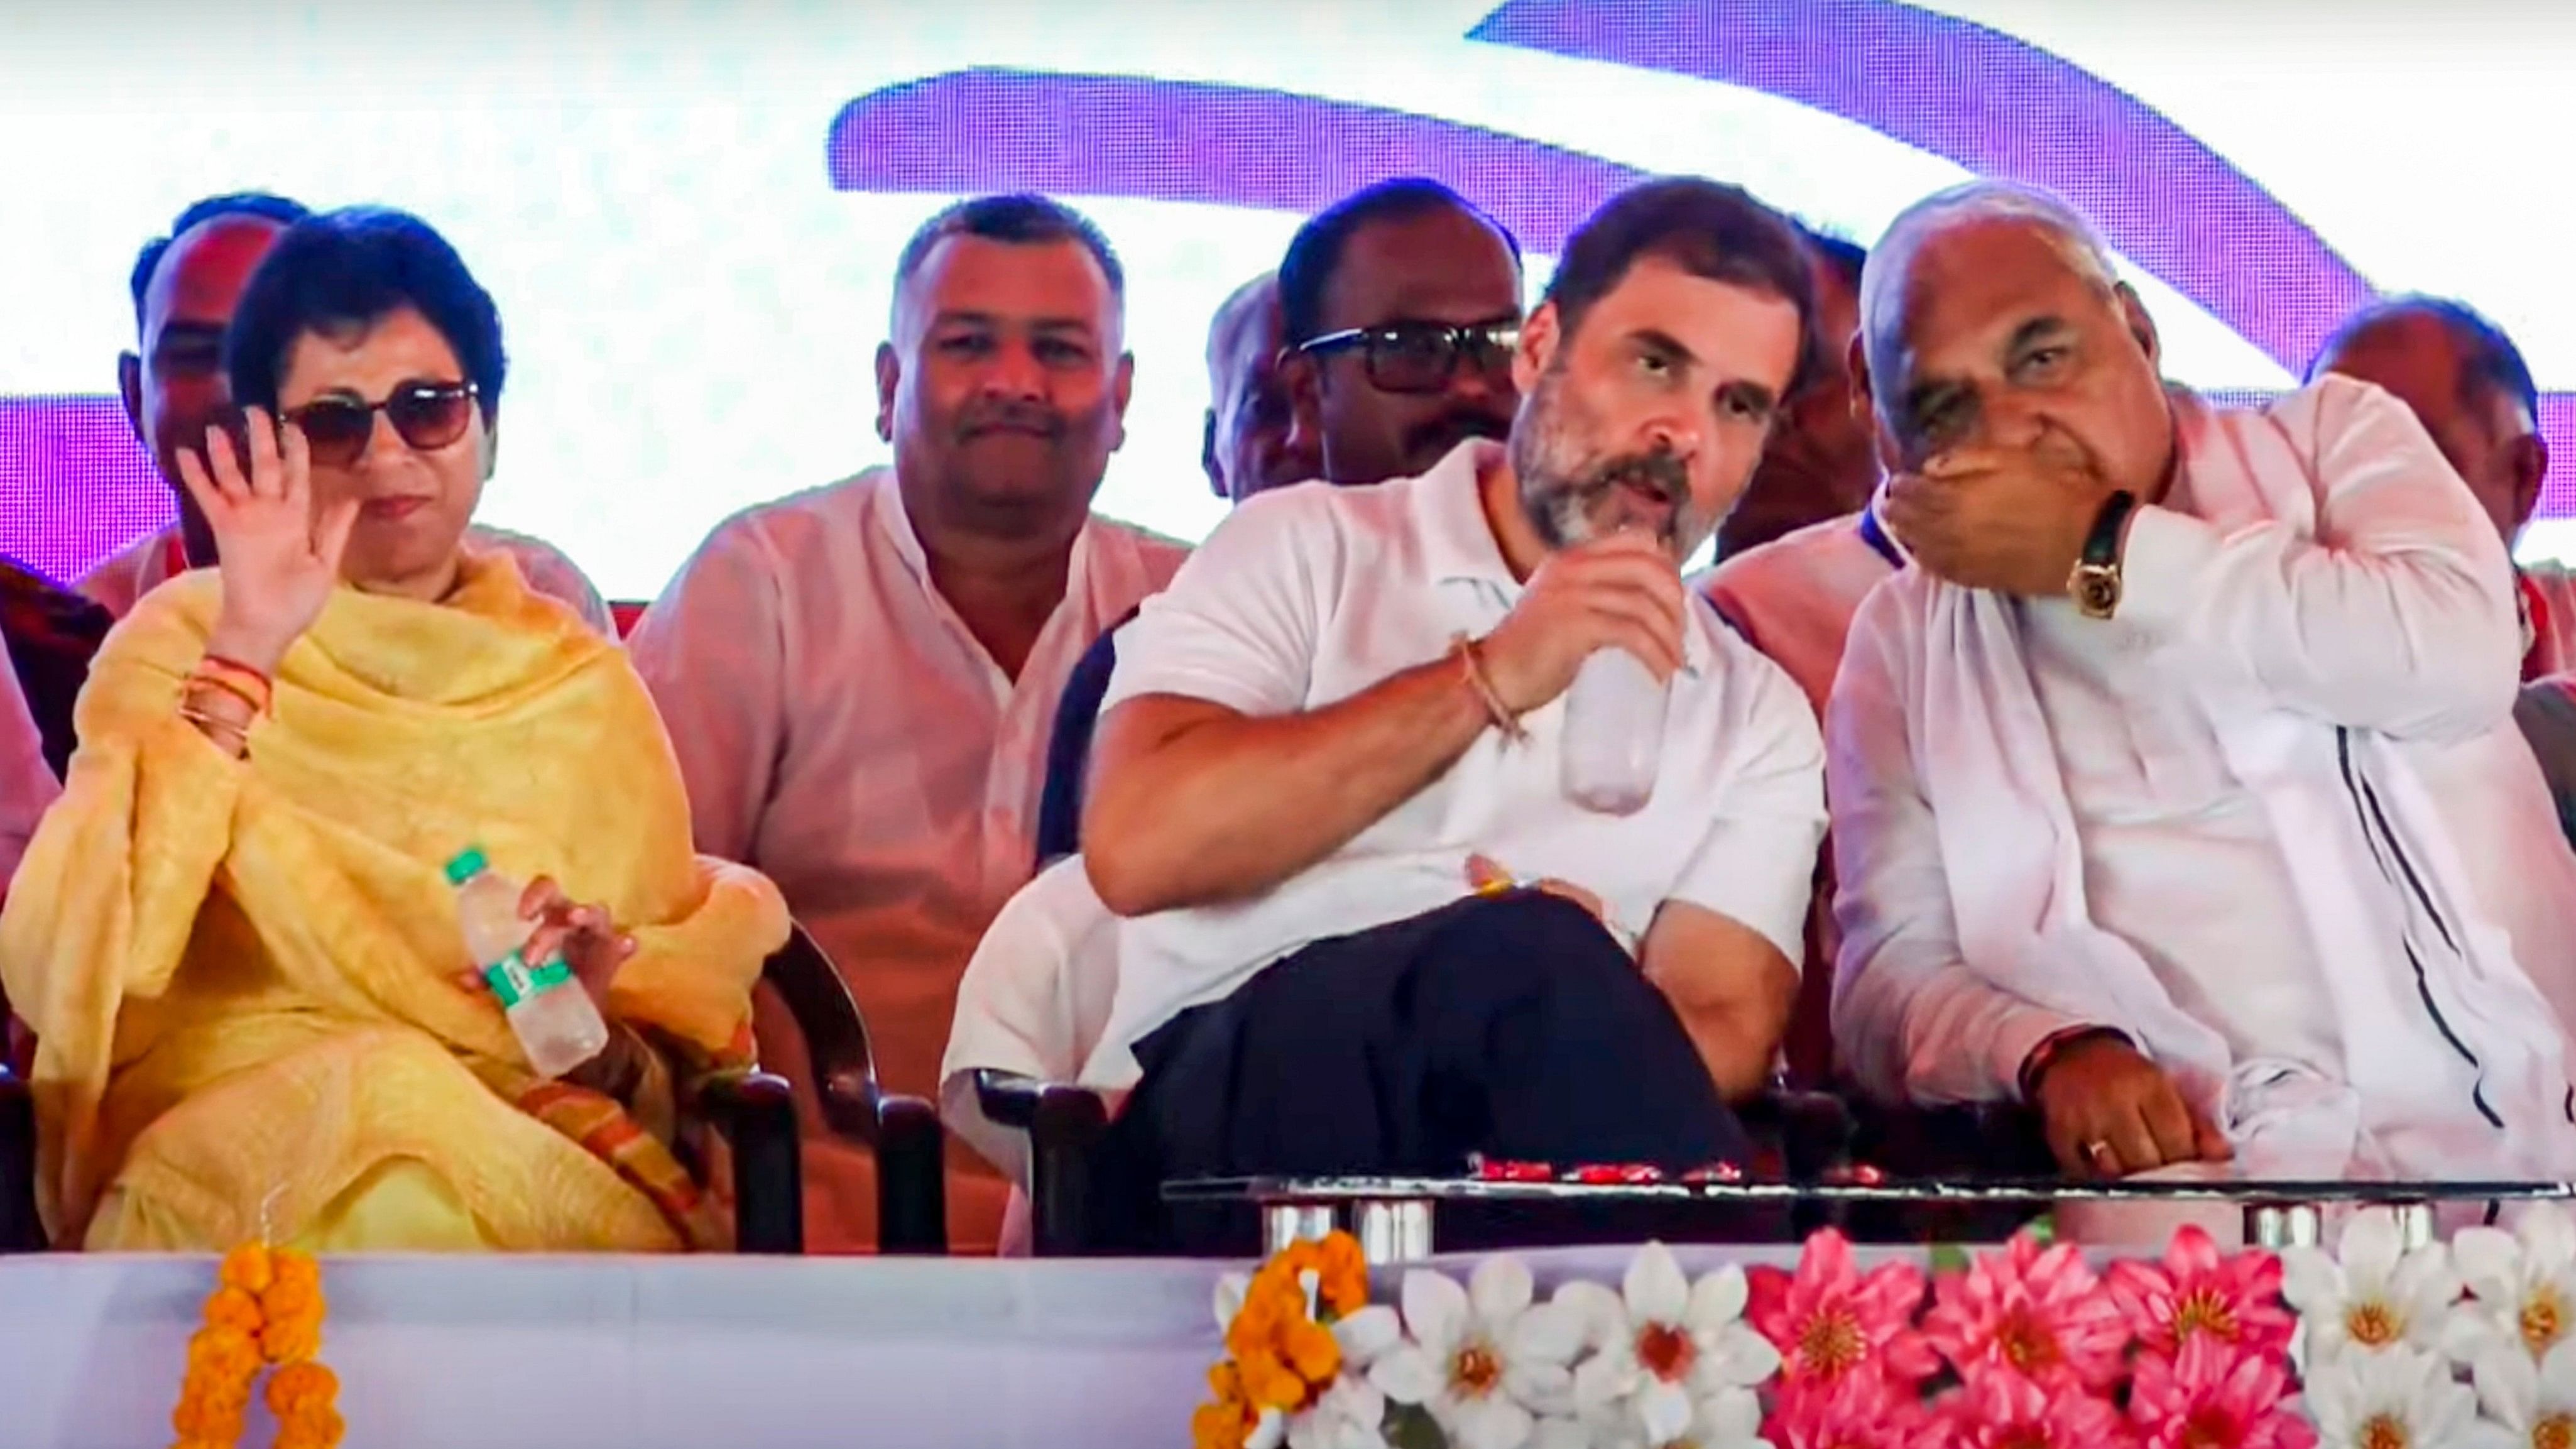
860 678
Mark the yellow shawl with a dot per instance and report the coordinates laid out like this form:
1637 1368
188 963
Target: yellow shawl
241 973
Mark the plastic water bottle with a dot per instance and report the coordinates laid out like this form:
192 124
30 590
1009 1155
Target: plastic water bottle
1614 733
556 1023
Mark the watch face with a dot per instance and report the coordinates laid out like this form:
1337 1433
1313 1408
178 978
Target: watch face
2097 591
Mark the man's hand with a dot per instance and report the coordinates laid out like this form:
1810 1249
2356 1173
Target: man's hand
1486 877
1622 591
2011 520
2111 1112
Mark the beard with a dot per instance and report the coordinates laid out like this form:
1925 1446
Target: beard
1573 494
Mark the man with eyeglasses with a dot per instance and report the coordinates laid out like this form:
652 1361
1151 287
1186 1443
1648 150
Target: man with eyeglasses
186 285
1400 303
859 678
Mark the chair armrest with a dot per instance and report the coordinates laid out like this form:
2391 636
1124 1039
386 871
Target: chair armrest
756 1112
1983 1139
1063 1123
1811 1132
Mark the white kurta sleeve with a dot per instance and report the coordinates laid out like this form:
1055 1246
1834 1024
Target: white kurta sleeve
712 650
2398 615
1912 1021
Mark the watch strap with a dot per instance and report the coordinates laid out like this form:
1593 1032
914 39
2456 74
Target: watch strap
2102 544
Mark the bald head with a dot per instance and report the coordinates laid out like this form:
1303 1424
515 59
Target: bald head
1991 318
2466 382
1246 446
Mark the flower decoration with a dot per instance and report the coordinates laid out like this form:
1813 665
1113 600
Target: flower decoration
2393 1397
1668 1348
1485 1360
2213 1394
267 1309
1857 1411
1830 1321
2033 1311
2195 1291
1999 1409
2523 1286
2374 1294
2531 1405
1290 1330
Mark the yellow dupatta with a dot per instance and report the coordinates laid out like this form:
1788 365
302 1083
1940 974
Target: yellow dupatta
241 973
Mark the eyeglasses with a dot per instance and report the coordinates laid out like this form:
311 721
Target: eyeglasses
1422 356
426 415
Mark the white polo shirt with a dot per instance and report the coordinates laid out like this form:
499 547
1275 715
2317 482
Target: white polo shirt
1306 596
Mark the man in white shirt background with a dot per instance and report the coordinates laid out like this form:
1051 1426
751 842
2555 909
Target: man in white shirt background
1336 741
860 679
2174 788
185 286
2467 383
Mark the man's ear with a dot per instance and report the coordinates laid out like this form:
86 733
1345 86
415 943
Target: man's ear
1303 377
129 385
1122 386
1207 458
2141 326
1541 335
2530 463
1891 457
889 373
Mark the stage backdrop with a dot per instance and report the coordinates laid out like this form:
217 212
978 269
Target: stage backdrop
690 212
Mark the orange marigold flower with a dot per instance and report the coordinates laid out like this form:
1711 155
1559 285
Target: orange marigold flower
323 1430
301 1387
199 1417
1270 1384
247 1267
1342 1275
234 1308
1312 1351
291 1340
1222 1426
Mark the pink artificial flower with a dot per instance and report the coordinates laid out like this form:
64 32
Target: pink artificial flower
1998 1409
2236 1300
1858 1410
2213 1395
2036 1312
1832 1322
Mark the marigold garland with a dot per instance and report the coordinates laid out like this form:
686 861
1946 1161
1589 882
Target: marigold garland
1280 1348
267 1309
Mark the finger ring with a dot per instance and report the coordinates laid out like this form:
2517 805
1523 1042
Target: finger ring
2094 1152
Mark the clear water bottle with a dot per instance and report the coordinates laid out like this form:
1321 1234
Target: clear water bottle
1614 733
556 1023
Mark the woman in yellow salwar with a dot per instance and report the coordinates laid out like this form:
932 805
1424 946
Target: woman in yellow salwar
254 1009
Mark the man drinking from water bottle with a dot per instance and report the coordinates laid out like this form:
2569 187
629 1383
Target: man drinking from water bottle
1336 745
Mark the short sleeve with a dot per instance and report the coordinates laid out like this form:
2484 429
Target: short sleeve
1756 865
1238 626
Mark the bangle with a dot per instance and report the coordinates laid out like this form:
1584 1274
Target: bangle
222 685
2034 1068
211 724
1474 665
250 684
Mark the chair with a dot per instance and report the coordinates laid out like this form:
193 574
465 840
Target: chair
902 1132
755 1110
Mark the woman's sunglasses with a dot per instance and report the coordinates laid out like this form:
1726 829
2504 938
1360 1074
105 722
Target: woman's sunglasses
427 416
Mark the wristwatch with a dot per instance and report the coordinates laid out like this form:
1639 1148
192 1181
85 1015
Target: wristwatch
2095 583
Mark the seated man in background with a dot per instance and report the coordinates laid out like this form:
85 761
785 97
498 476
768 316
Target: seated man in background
2175 788
1398 302
1337 740
186 285
859 678
2466 382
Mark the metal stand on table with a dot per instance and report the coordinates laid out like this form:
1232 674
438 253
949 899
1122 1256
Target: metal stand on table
1395 1219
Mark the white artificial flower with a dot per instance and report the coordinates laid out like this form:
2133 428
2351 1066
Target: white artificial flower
2396 1397
2525 1282
1485 1361
1666 1349
2534 1404
1351 1414
2377 1295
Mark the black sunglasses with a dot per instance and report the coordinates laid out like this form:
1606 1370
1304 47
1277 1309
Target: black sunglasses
1422 356
427 416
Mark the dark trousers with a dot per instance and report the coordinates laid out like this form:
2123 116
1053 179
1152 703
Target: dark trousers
1511 1026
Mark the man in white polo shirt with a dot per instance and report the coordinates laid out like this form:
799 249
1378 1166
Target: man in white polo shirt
1336 739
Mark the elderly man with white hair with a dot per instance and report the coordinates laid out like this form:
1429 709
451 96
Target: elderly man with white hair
2175 786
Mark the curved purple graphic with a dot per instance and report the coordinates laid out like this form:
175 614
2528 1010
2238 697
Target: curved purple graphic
991 129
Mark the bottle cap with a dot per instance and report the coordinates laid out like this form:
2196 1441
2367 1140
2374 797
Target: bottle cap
468 864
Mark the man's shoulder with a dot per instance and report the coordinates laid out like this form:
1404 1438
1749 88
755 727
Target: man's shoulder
797 522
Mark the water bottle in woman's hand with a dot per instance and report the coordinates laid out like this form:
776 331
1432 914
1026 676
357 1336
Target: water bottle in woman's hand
1614 733
557 1024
